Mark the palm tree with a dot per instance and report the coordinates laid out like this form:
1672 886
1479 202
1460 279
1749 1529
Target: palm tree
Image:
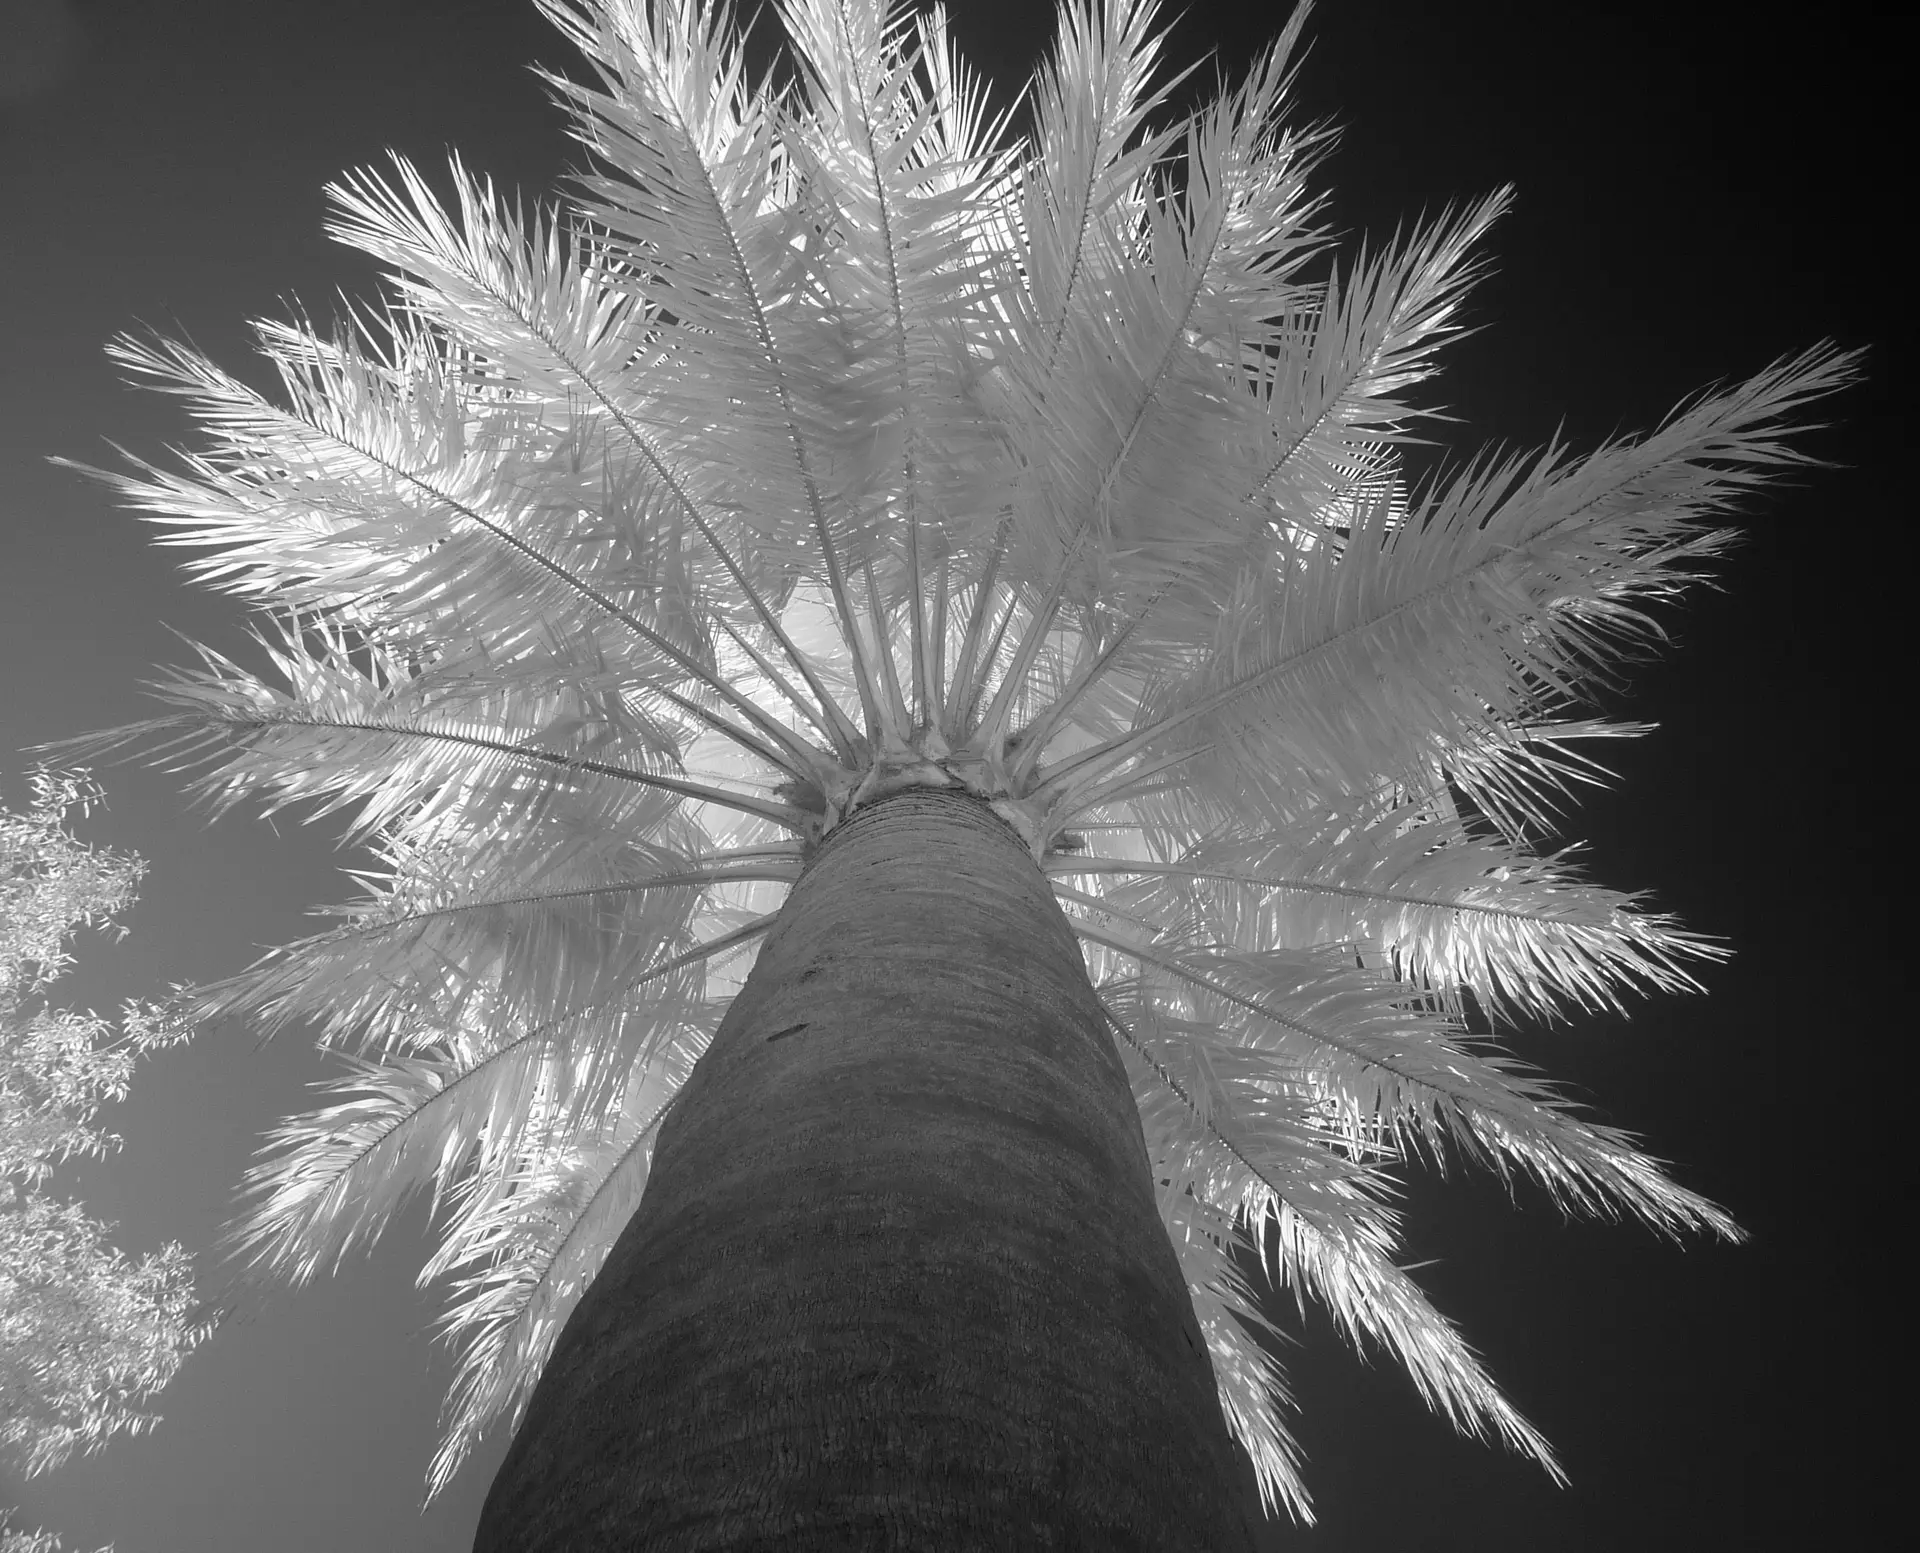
939 783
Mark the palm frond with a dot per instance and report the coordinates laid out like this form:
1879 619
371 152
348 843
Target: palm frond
398 973
1410 891
570 329
1517 581
341 737
1389 1071
333 1178
532 1244
701 208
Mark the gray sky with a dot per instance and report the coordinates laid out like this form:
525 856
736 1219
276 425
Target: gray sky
1690 209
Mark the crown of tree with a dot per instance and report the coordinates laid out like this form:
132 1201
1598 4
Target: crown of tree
830 442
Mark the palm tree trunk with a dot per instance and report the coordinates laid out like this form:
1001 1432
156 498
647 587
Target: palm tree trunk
897 1279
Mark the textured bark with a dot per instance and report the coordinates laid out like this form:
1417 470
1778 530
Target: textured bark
897 1279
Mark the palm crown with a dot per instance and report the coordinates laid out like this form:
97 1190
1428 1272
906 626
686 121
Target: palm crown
835 444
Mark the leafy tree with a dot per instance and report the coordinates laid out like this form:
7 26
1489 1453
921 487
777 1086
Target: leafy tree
87 1335
14 1539
939 776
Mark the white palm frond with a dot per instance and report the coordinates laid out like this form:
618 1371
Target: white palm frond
535 1233
830 443
1417 895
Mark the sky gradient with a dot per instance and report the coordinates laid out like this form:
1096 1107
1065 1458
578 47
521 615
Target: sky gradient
1692 206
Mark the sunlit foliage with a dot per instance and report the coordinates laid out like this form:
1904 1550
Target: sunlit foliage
87 1334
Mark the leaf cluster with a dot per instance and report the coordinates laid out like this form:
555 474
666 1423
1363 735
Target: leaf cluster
87 1334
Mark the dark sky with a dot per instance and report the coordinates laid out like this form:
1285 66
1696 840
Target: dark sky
1696 198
